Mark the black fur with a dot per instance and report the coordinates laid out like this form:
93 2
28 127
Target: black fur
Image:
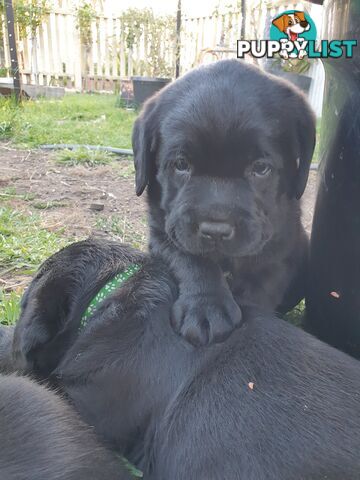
42 438
181 412
6 360
74 284
226 148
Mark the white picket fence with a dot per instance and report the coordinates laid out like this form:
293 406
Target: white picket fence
57 57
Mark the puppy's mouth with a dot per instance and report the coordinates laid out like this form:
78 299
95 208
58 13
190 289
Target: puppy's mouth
293 36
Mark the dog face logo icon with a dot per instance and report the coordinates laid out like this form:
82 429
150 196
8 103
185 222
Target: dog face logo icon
293 24
295 27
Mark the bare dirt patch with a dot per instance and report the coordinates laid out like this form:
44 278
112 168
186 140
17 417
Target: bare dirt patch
79 200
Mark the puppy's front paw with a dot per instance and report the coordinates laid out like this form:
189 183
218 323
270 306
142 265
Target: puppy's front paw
205 318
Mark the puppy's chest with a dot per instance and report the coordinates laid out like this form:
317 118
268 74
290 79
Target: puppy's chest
255 283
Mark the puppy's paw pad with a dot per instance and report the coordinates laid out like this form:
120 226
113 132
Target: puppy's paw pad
195 332
205 319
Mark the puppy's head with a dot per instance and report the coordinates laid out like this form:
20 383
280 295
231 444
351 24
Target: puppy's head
225 151
292 24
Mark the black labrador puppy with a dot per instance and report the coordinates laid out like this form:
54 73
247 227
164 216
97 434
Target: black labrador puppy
225 153
269 403
43 438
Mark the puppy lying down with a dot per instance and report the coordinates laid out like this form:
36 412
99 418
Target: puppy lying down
269 403
42 438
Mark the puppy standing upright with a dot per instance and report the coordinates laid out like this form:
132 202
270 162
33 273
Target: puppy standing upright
225 152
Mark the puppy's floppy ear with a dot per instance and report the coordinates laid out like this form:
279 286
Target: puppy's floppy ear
145 142
295 135
300 15
306 134
280 23
44 308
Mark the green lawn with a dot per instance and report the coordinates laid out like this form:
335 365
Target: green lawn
76 118
24 245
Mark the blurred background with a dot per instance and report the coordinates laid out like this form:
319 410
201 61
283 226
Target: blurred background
98 45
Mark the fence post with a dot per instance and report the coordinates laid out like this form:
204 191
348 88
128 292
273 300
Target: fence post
243 20
78 60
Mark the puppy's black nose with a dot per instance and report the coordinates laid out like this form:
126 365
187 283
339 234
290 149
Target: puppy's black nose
304 23
216 230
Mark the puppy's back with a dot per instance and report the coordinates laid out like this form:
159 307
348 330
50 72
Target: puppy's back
42 438
273 403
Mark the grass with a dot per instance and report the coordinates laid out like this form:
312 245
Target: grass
125 168
316 155
24 245
296 315
89 119
83 156
9 307
123 230
10 194
39 205
131 468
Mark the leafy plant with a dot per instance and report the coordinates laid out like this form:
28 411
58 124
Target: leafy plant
133 21
85 14
292 65
4 72
29 15
158 33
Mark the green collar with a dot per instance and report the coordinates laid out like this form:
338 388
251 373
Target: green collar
107 290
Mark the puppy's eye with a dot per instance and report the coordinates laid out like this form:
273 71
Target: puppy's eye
182 165
261 168
290 23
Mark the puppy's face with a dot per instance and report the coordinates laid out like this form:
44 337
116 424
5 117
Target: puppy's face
219 177
223 158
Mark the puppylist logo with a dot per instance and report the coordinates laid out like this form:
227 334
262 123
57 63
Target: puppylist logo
293 35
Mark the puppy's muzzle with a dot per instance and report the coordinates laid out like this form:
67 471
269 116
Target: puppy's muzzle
216 231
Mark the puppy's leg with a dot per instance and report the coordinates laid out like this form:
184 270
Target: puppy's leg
205 311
